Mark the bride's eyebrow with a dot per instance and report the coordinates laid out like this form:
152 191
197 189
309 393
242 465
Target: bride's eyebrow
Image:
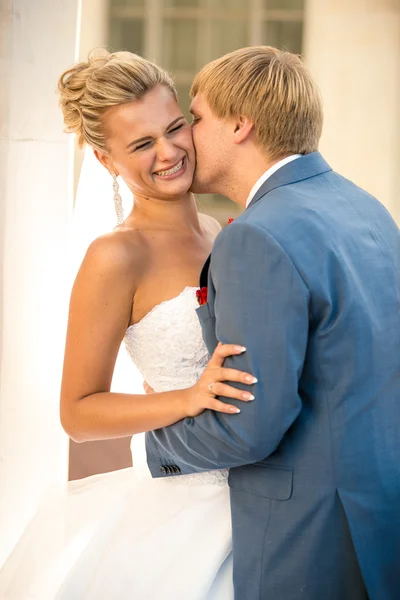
174 122
148 137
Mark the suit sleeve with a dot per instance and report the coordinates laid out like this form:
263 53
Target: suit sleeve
262 303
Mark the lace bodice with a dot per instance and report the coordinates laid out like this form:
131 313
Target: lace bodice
168 349
167 345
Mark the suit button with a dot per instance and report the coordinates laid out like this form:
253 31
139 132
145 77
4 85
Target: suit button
163 470
176 469
168 470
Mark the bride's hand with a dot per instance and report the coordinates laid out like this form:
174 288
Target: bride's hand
202 395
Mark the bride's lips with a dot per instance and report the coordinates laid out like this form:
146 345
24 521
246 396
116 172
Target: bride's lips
175 175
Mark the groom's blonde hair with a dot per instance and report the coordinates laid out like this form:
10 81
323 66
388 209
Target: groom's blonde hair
270 87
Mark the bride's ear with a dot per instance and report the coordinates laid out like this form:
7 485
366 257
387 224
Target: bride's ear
105 160
243 128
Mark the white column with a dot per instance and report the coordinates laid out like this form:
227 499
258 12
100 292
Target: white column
154 30
94 26
93 33
353 49
38 41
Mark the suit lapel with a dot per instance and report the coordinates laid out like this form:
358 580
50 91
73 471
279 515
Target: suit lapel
302 168
204 273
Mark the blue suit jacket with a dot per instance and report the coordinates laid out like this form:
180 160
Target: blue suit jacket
308 279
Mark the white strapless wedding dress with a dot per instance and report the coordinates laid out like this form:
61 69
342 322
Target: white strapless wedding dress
124 535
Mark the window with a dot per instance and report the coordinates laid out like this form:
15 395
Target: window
183 35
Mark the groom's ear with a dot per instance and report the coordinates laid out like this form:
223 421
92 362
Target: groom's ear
243 128
105 160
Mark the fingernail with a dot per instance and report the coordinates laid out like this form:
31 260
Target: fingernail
235 410
248 396
240 349
251 379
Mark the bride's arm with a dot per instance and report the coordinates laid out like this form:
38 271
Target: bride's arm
100 309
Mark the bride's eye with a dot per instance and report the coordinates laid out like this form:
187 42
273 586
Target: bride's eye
142 146
194 121
176 128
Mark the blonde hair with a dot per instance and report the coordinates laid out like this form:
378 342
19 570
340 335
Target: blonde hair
273 89
89 88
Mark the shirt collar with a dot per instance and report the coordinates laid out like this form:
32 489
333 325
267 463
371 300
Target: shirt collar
268 174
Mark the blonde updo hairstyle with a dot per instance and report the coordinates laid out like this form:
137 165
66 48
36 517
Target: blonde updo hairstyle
106 79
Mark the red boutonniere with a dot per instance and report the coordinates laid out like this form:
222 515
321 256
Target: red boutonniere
230 221
201 295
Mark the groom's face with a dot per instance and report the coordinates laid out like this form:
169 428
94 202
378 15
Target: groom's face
212 140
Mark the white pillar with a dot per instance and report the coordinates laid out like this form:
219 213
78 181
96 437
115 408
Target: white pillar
94 26
154 30
93 33
353 49
38 41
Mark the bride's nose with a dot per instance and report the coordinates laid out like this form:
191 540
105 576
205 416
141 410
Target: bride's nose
167 151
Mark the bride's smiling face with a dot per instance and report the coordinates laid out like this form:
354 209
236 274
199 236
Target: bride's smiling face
150 145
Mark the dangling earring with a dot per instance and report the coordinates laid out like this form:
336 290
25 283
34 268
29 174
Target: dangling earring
117 200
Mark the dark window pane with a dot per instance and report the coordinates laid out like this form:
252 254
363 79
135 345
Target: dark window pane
284 4
180 43
127 34
228 36
181 3
287 35
232 5
127 3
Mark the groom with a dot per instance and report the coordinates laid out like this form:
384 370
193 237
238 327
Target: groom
308 280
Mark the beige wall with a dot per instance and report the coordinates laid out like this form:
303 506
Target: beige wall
37 42
353 48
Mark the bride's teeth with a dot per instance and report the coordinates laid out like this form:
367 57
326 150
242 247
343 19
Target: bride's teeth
171 171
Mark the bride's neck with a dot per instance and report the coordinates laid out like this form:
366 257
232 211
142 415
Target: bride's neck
178 213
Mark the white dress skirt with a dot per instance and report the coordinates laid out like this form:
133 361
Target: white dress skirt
125 535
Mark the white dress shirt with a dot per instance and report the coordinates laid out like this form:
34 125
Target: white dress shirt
267 174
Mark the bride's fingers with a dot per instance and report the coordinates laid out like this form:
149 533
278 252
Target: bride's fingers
224 374
222 407
222 351
223 389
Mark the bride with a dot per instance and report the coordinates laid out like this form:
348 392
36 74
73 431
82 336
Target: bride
124 535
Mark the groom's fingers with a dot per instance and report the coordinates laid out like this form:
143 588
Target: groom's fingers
222 351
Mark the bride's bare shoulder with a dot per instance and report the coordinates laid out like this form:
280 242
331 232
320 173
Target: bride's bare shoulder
121 251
